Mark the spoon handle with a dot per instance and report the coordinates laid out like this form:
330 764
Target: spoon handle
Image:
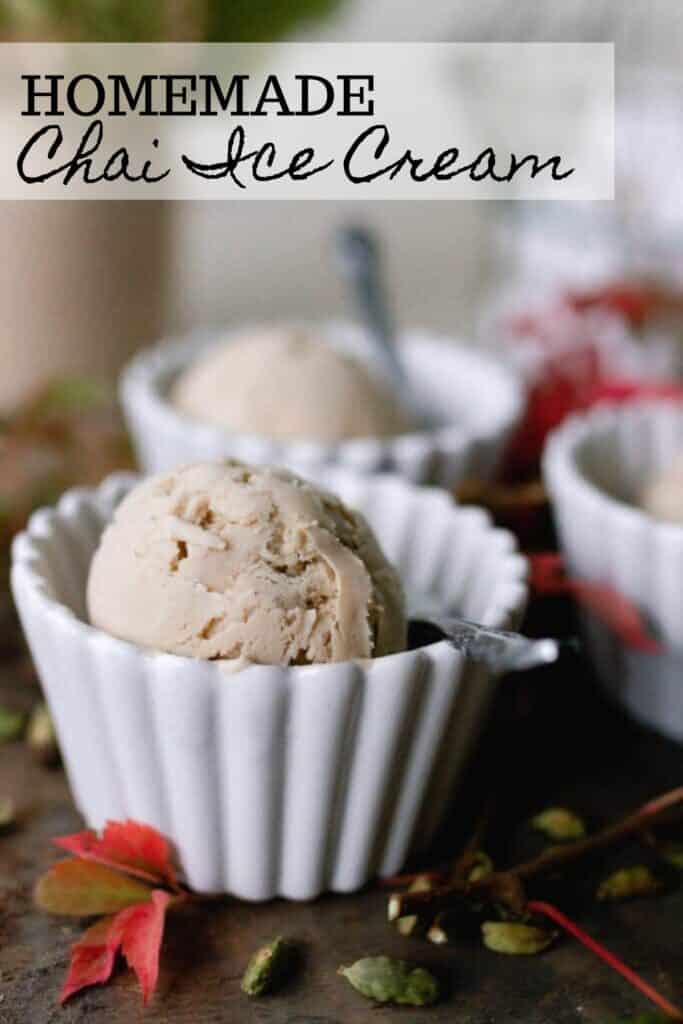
359 261
501 651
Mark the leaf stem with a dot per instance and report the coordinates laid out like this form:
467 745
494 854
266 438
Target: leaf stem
628 826
551 912
497 883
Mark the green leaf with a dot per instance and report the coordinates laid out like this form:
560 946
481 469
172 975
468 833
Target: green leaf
260 20
81 888
73 394
11 724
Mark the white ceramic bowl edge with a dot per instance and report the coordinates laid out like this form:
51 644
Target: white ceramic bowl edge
594 467
486 394
271 781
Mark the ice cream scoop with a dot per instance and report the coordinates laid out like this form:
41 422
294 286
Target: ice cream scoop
229 561
662 497
288 384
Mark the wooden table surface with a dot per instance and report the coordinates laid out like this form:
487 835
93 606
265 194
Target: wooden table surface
553 739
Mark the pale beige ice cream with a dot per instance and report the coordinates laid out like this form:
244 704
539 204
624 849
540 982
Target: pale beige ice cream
228 561
287 384
663 495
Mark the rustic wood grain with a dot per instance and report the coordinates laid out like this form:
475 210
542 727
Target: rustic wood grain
554 738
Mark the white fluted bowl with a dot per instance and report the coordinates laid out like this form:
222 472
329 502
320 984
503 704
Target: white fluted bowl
270 781
478 400
595 466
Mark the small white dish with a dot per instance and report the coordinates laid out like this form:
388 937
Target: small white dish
271 780
595 467
478 399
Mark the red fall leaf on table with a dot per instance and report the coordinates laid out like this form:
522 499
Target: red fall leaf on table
128 846
110 875
141 941
92 958
548 576
136 931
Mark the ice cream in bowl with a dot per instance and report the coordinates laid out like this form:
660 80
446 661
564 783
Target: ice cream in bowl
615 479
223 648
249 564
308 395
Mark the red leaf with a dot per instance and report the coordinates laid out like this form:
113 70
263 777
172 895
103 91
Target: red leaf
617 612
127 845
92 957
137 931
80 889
143 931
634 301
547 573
619 389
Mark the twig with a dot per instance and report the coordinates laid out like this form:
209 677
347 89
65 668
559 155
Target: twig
506 886
468 858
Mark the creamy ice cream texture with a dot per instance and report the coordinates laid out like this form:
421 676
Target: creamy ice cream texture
663 495
287 384
227 561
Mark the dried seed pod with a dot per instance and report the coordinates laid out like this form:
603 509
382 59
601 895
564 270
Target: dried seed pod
516 938
482 866
11 724
392 981
40 736
7 813
672 852
559 824
438 934
268 967
628 883
410 924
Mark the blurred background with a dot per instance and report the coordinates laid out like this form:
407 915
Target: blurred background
84 283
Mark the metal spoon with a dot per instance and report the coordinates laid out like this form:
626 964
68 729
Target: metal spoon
500 650
360 265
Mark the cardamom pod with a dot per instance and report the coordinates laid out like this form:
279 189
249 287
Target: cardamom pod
628 883
409 924
40 736
11 724
516 938
672 852
392 981
559 824
483 866
438 934
268 967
